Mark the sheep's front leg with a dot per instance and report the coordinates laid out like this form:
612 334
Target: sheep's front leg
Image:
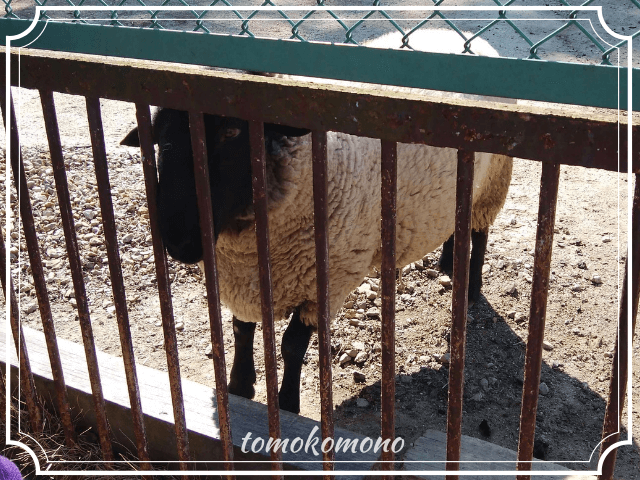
478 250
243 372
294 345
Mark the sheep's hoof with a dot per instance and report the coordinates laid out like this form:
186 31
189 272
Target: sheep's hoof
246 391
289 404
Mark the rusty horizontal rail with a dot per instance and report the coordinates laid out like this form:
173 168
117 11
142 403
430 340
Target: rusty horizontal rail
526 132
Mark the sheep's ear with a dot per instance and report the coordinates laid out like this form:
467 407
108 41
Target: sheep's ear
285 130
132 139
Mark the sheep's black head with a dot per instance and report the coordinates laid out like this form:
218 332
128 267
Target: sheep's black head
227 142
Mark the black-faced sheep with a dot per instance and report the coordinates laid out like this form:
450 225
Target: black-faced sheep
425 219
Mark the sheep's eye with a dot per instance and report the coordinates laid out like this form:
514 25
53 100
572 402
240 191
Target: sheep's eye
231 133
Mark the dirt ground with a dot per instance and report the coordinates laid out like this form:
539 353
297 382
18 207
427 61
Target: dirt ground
589 252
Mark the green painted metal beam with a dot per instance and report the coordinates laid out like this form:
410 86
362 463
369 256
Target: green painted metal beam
590 85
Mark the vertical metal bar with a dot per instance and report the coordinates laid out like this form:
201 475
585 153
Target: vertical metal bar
539 289
320 217
115 271
26 377
459 304
164 288
60 176
619 374
31 238
389 182
259 184
203 191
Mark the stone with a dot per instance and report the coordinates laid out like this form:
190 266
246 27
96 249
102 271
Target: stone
544 389
373 312
355 322
445 281
484 383
486 268
547 346
359 377
444 359
344 358
361 357
432 273
362 403
180 326
596 279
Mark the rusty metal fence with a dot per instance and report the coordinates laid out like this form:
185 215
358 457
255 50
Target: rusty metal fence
528 133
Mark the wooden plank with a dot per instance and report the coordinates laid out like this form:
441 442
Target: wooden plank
199 405
432 447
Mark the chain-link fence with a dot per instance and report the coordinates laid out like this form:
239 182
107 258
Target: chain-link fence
562 31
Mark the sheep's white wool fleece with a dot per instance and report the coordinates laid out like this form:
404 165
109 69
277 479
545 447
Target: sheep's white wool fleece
425 210
425 219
